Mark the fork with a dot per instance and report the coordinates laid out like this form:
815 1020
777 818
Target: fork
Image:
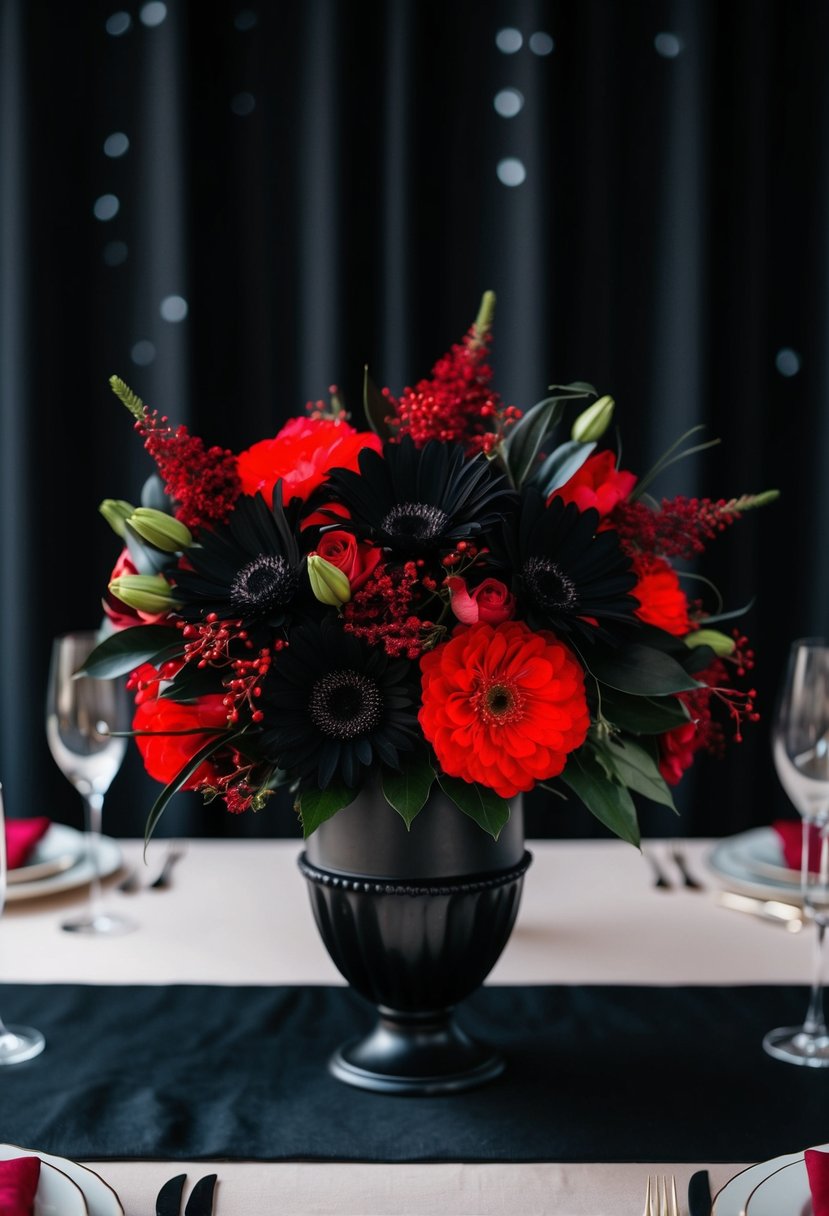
665 1201
660 879
174 853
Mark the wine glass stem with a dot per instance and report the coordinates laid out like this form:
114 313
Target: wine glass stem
815 1022
93 806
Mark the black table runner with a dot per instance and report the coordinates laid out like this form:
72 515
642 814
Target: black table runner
596 1073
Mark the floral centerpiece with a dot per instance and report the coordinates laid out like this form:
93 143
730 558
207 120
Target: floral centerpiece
460 593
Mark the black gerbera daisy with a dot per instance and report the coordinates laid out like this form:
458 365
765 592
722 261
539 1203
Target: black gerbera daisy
420 500
568 576
246 569
334 707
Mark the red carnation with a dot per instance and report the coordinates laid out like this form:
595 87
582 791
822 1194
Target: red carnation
165 754
598 484
662 602
503 705
302 454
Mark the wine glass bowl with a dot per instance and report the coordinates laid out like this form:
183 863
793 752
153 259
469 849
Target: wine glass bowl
83 719
800 749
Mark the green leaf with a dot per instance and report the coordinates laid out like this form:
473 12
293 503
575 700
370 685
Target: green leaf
376 407
193 681
488 810
610 803
315 806
637 770
122 652
408 791
146 558
674 453
576 388
642 715
640 670
561 464
159 806
523 443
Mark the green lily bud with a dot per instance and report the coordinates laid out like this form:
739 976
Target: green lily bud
144 592
116 512
592 423
160 529
720 643
329 585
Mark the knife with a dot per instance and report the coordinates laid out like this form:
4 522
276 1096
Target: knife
699 1194
788 915
200 1202
168 1202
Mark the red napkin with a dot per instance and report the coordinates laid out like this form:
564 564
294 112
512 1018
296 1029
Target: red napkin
18 1185
790 832
21 837
817 1167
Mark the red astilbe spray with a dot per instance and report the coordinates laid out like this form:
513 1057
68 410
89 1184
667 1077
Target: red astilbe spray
456 404
202 482
681 527
384 612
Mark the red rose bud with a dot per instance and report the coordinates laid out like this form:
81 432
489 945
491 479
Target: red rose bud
490 602
144 592
116 512
329 585
357 559
160 529
594 421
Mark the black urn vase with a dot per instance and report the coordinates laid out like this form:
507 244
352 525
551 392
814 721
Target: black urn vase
415 921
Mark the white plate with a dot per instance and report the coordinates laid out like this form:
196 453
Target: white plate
67 839
732 1199
762 852
54 852
734 860
57 1194
784 1191
100 1198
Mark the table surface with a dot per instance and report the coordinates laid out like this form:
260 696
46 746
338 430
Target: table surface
238 913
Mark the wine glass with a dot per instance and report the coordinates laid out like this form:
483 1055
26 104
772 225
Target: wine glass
82 715
17 1043
800 746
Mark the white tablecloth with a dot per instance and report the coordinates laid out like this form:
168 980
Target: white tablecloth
238 912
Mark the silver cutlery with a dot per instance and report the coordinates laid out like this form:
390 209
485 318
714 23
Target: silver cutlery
661 1201
130 883
773 910
200 1202
168 1202
688 879
162 880
660 878
699 1194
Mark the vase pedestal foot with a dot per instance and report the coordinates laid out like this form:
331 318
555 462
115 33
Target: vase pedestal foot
415 1053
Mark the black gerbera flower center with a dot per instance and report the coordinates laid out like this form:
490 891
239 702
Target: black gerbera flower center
266 583
415 521
548 587
345 704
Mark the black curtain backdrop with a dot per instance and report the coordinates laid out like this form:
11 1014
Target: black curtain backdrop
318 182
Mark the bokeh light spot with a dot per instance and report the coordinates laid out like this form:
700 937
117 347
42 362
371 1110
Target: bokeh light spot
152 14
667 45
106 207
509 40
508 102
118 24
511 171
116 144
142 353
115 253
243 104
541 43
173 308
787 362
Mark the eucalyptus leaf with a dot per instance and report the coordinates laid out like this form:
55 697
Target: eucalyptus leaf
408 790
224 739
611 804
637 770
561 464
315 806
127 649
376 407
488 810
642 715
641 670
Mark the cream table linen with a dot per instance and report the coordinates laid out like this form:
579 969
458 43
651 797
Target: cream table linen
238 913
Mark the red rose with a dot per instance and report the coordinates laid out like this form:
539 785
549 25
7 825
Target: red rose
302 454
598 483
164 754
491 602
356 559
662 602
120 614
677 749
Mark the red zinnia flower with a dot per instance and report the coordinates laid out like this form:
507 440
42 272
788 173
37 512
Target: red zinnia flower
165 754
662 602
302 454
598 483
503 705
